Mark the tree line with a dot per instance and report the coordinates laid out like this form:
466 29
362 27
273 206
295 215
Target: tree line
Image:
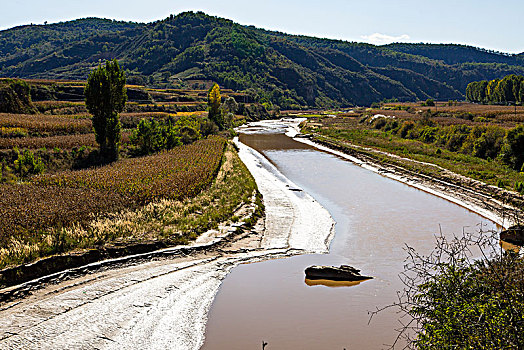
509 90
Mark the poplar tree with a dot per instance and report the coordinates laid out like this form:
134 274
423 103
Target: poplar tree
106 96
214 101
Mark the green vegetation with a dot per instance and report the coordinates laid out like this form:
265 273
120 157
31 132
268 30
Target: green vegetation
15 97
514 148
153 135
27 164
57 194
275 69
457 54
105 98
459 301
473 307
509 90
179 221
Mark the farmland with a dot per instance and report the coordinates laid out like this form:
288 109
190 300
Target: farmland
58 196
35 215
181 172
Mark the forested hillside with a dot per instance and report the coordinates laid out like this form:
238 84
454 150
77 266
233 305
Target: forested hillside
457 54
193 49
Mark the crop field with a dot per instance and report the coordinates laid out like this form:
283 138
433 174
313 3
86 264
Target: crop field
44 106
49 124
176 174
53 178
29 211
66 142
467 112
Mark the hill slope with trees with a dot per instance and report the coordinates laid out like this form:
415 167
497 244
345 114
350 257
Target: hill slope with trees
275 68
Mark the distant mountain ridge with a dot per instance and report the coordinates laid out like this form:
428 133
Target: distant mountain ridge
457 54
276 68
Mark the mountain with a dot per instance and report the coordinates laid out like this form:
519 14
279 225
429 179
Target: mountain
287 70
457 54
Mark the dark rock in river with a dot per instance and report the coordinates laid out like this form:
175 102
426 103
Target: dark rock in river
514 235
342 273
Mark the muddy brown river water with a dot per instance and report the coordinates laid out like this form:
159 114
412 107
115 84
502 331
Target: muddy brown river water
375 216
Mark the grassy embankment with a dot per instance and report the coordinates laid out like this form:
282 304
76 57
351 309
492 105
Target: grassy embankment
444 139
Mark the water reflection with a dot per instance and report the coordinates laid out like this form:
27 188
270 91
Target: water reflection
509 247
332 283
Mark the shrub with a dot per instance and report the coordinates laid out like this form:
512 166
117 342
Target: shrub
152 136
15 97
429 134
207 127
519 187
27 164
514 148
155 135
392 124
6 173
455 300
405 128
379 123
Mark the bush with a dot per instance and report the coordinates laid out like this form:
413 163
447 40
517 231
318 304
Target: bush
207 127
363 119
519 187
153 136
514 148
379 123
6 174
405 128
430 102
27 164
391 125
456 301
15 97
429 134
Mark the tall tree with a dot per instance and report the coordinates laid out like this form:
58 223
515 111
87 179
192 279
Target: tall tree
214 101
490 90
106 97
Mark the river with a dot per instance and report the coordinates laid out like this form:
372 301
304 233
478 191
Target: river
375 217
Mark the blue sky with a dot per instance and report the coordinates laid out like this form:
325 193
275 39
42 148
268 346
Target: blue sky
490 24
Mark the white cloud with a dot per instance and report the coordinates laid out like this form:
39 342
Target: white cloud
381 39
